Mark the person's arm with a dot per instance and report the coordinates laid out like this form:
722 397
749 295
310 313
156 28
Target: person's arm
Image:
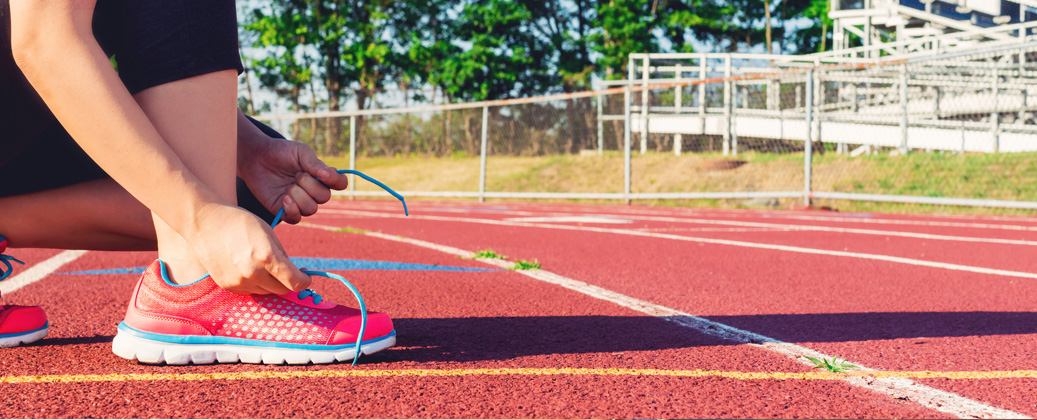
53 44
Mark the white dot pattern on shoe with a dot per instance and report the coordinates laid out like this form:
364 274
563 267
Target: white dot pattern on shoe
274 318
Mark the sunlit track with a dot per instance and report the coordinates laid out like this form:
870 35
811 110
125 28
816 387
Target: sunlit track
775 226
39 271
382 373
744 244
897 387
616 211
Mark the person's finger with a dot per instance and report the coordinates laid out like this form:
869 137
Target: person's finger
271 285
319 192
241 286
287 274
307 206
291 210
316 167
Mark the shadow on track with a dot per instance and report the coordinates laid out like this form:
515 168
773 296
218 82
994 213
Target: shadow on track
500 338
65 341
480 339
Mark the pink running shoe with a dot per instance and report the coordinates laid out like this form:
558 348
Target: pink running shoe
19 324
201 323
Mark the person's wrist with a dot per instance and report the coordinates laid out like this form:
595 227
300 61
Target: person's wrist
250 146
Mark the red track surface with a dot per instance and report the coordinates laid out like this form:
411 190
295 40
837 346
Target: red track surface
891 316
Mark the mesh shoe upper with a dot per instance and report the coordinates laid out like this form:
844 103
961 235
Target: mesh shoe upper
204 309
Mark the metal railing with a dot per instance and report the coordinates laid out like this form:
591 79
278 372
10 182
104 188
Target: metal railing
721 127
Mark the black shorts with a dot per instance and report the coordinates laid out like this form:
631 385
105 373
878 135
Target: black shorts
153 43
54 160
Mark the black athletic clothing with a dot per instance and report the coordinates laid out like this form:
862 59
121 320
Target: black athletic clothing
153 42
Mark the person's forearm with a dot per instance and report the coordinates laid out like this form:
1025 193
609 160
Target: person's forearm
54 46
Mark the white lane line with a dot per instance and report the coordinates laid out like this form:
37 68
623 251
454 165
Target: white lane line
876 257
716 229
38 271
932 398
835 229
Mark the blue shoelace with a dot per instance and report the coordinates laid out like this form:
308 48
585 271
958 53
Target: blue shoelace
308 293
6 261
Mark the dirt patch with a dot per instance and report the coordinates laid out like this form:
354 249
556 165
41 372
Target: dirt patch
722 164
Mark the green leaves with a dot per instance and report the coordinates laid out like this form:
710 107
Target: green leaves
832 365
526 265
488 254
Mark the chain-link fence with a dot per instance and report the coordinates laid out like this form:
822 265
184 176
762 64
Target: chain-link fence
958 128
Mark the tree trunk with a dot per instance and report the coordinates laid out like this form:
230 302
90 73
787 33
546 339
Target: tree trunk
361 134
469 135
297 125
313 121
333 124
448 146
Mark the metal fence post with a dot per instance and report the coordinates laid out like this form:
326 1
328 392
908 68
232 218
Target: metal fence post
903 109
482 154
677 103
808 144
352 156
995 116
702 92
626 136
627 129
728 99
645 73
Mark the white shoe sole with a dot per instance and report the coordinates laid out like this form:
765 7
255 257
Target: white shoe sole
27 338
147 351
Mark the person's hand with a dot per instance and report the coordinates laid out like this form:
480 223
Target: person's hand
242 254
280 173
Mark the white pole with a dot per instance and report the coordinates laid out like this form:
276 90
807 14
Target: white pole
728 99
808 145
645 72
626 133
482 158
677 103
903 109
352 156
994 114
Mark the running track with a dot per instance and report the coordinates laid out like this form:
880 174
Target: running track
637 312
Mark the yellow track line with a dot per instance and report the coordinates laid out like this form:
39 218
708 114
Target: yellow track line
381 373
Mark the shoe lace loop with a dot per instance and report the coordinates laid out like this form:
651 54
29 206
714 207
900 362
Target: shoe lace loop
356 294
6 261
317 298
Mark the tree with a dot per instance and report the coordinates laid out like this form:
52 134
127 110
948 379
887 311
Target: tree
817 37
625 27
285 68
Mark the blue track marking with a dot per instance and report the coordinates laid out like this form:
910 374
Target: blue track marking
327 264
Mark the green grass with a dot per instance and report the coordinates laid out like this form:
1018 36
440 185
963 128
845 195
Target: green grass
526 265
350 229
1007 176
487 254
832 365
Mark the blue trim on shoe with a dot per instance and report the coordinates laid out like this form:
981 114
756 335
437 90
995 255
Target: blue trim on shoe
165 276
215 340
45 326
